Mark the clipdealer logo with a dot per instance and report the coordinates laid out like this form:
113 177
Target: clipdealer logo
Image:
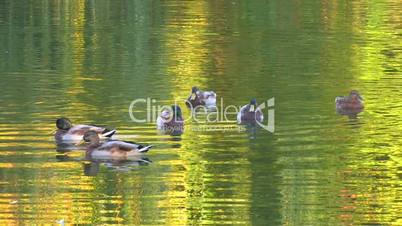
211 114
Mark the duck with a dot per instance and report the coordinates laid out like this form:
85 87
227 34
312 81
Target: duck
171 121
352 102
68 133
201 98
114 149
250 113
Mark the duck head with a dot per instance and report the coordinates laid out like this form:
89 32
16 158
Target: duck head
63 123
194 91
253 105
176 110
91 137
355 96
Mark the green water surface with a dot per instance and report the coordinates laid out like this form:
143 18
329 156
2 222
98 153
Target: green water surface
88 60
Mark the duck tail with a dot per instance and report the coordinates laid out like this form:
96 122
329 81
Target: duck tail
108 133
144 149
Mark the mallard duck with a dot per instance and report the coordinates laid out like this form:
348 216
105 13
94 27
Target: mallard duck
250 113
67 132
111 148
171 120
352 102
203 98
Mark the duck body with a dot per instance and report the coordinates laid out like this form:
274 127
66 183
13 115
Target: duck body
112 149
348 103
166 120
116 149
250 113
77 131
353 102
201 98
170 121
68 133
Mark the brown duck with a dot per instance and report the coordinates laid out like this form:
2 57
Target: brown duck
69 133
112 148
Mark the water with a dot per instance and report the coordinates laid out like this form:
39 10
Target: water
88 60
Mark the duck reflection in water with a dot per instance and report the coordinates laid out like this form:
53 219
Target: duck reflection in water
351 113
251 129
92 167
68 147
170 142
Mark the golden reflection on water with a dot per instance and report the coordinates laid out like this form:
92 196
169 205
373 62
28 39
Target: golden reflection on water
186 43
185 52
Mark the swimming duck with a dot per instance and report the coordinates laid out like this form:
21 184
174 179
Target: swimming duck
67 132
203 98
352 102
111 148
250 113
171 120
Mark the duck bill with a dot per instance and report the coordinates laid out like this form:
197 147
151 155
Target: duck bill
252 108
193 96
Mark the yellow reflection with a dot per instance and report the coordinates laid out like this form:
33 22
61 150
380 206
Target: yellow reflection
78 53
186 43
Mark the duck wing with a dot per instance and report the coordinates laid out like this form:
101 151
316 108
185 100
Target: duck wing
259 116
242 112
108 132
124 146
82 129
209 94
340 99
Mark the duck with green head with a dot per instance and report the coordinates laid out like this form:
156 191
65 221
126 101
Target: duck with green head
111 149
69 133
171 121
